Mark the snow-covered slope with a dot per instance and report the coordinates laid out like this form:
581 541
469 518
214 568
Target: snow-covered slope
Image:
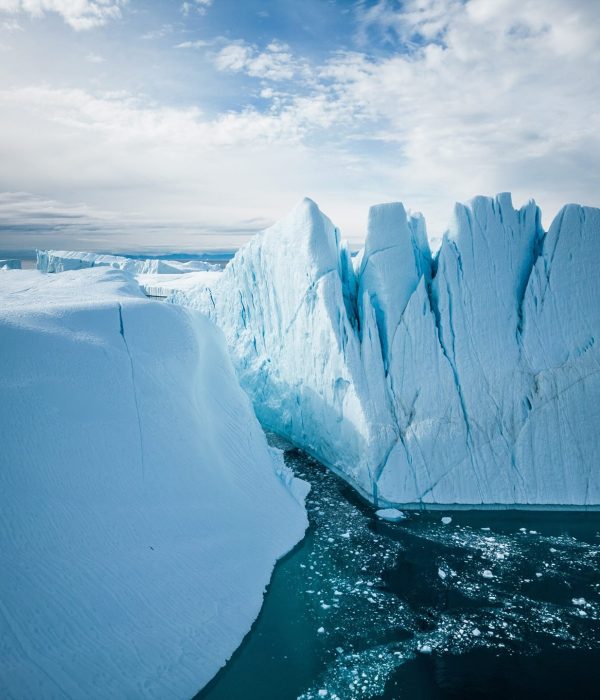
141 509
61 260
468 379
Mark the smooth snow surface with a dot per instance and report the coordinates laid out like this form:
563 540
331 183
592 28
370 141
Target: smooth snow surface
141 509
468 379
61 260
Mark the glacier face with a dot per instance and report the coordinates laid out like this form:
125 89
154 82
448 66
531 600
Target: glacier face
466 378
62 260
141 509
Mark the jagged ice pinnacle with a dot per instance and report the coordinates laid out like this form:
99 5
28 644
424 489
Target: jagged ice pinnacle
471 377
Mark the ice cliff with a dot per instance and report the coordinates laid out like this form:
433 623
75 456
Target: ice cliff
61 260
141 509
470 377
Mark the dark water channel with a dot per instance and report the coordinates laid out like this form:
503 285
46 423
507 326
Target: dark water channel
497 604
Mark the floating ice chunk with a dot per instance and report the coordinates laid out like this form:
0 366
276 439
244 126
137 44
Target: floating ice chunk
442 574
425 649
446 520
323 693
476 632
321 630
578 601
391 514
486 573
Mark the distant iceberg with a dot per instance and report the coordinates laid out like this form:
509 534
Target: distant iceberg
62 260
470 377
141 508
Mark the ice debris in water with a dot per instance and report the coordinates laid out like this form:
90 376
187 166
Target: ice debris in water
499 614
446 520
391 514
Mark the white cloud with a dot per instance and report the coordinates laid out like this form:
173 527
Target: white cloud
163 30
482 98
425 19
29 221
274 63
94 58
10 25
198 44
506 96
79 14
160 164
199 6
123 118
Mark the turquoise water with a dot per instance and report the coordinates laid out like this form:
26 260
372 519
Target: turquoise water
492 605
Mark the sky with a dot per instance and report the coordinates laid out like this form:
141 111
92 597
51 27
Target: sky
187 126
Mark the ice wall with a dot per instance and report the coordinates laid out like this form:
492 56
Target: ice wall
467 379
141 509
61 260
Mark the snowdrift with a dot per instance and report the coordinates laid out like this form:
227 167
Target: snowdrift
141 509
470 378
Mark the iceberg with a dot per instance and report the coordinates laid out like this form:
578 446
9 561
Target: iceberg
61 260
10 264
467 378
141 508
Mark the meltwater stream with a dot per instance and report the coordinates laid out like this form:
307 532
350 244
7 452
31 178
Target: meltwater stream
492 604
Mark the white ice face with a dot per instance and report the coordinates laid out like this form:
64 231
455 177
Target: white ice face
62 260
469 379
141 509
